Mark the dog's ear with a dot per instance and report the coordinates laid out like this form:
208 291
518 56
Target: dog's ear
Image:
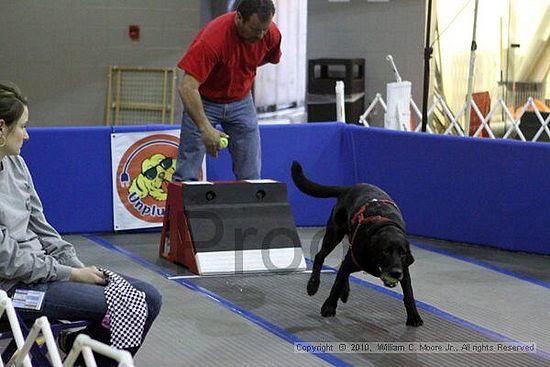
409 259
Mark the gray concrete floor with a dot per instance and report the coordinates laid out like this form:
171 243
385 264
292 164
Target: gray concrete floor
477 292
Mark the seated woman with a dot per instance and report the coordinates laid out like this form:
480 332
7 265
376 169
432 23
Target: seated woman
34 256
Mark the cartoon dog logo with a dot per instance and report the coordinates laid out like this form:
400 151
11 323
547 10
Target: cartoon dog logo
156 173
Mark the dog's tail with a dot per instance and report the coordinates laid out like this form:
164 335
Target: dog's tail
311 188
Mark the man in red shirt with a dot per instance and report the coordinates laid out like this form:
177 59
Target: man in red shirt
220 67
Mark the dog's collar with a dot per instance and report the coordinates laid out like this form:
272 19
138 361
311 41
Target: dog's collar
361 217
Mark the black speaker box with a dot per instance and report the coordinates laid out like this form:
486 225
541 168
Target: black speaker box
326 112
323 74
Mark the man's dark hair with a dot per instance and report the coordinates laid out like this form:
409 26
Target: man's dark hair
264 8
12 103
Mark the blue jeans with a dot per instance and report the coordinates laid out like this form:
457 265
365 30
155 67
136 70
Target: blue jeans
238 120
82 301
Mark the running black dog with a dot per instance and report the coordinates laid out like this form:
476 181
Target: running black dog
378 243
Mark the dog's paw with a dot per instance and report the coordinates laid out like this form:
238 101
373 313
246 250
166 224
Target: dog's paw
415 321
312 286
328 309
344 295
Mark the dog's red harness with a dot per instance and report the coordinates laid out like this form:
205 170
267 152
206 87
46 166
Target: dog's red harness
361 217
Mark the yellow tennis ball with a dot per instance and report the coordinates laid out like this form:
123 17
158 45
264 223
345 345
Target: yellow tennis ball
224 142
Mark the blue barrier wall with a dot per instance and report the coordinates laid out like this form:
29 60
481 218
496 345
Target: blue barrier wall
489 192
323 151
483 191
71 168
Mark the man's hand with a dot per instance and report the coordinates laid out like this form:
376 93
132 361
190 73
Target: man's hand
89 274
191 98
211 140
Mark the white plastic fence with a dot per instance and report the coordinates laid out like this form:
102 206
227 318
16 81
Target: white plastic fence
86 345
7 307
41 333
511 125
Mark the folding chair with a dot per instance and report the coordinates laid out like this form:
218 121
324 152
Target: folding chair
39 351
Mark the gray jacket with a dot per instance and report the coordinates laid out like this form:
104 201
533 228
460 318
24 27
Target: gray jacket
31 250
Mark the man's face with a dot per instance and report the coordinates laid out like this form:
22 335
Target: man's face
253 29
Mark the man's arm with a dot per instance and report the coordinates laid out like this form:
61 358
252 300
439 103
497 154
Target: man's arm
274 54
190 96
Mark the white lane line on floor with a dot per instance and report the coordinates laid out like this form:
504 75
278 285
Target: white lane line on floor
233 275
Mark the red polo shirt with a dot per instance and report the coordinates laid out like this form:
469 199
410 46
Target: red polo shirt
224 63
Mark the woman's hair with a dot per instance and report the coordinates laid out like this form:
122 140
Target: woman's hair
12 103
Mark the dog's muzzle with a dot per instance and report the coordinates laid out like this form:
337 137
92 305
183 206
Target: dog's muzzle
392 278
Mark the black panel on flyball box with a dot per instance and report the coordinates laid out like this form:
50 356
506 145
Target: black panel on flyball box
239 216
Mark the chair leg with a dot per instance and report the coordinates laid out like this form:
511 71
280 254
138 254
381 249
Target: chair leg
38 353
9 350
39 356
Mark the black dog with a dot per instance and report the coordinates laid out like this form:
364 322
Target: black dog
378 243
